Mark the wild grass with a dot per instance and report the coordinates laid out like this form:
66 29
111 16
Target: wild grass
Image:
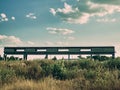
44 84
60 75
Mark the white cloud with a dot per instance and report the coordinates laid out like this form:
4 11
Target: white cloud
13 41
52 10
3 17
68 13
84 18
117 49
105 9
58 43
66 10
1 51
71 38
30 43
31 16
9 40
6 19
48 43
2 37
13 18
84 10
62 31
106 20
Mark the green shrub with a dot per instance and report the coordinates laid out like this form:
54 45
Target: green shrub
71 64
58 72
47 67
7 76
54 58
113 64
87 64
21 71
82 74
34 72
26 69
91 74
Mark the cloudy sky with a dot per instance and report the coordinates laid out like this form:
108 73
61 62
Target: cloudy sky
60 23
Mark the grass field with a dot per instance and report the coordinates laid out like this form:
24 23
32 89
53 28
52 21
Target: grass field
60 75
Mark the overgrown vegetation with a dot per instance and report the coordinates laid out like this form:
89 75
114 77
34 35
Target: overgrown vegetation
60 75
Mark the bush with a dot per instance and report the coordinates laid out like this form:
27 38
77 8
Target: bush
34 72
21 71
90 74
87 64
113 64
70 65
81 74
47 67
54 58
58 72
7 76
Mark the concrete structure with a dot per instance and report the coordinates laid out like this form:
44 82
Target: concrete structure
98 50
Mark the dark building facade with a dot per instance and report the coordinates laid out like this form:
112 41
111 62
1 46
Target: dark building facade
93 50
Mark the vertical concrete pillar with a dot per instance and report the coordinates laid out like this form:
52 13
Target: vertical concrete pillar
25 56
5 57
91 56
68 56
46 57
113 56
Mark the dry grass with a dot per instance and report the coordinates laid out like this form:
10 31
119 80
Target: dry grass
45 84
60 75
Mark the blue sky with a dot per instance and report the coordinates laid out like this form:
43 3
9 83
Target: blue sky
60 23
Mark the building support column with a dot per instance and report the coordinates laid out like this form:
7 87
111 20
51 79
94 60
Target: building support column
113 56
25 56
68 56
91 56
46 57
5 57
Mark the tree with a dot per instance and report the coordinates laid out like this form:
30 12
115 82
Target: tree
54 58
46 57
97 57
1 57
100 58
80 57
12 58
